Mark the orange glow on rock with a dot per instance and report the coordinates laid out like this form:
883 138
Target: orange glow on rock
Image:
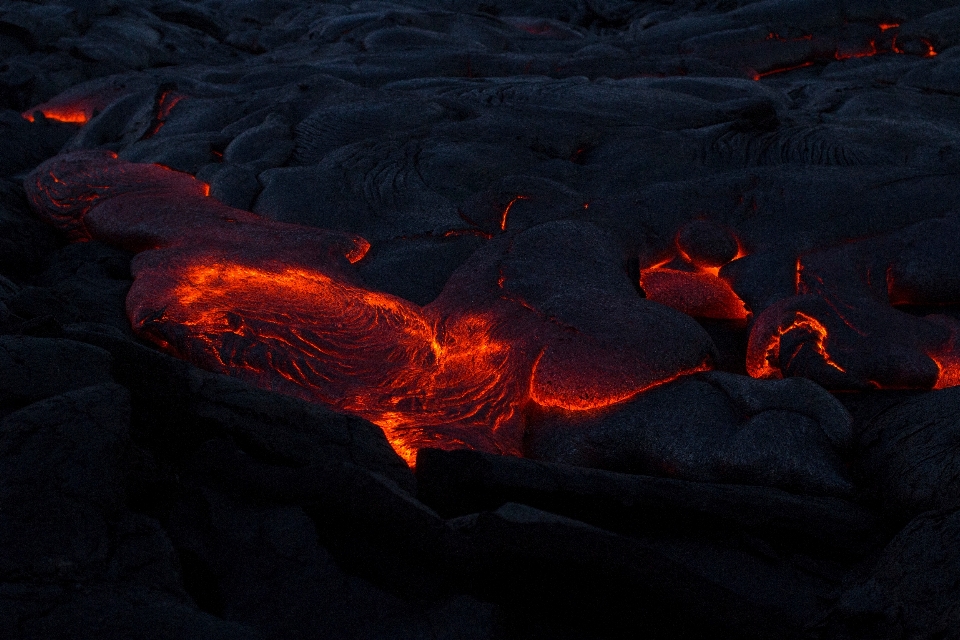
886 26
702 294
758 75
694 286
846 54
75 106
506 212
949 366
583 398
357 253
947 357
765 361
165 104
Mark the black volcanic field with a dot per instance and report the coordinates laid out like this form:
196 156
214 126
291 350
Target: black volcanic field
553 155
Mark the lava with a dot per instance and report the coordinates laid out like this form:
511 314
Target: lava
75 107
74 115
279 305
587 399
757 75
165 103
947 356
767 361
690 281
386 360
885 41
845 54
506 212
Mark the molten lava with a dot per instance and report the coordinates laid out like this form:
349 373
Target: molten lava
279 306
885 41
757 75
361 351
73 115
506 212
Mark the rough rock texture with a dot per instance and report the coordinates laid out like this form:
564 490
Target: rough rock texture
628 191
713 427
909 454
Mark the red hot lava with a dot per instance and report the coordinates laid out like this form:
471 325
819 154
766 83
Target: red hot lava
280 306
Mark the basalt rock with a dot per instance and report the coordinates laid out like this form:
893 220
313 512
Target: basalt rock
910 591
711 428
908 454
566 231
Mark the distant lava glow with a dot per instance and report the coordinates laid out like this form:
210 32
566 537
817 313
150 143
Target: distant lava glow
279 305
885 41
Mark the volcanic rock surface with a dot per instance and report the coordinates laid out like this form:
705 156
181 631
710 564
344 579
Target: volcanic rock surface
454 319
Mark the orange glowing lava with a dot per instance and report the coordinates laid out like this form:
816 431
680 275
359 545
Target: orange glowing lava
583 400
279 305
75 106
947 357
758 75
387 360
871 50
165 104
949 366
73 115
767 362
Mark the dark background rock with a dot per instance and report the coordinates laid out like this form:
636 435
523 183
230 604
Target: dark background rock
710 428
909 454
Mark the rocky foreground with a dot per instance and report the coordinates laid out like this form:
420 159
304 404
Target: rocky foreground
770 186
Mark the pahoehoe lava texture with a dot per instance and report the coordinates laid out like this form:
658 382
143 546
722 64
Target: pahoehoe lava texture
692 266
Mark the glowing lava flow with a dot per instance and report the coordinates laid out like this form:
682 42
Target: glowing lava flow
73 115
75 108
386 360
166 101
279 306
947 357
